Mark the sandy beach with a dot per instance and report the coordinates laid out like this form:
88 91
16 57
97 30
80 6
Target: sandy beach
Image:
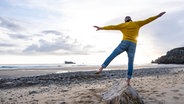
155 85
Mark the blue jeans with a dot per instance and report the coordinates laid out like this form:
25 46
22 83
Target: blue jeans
130 48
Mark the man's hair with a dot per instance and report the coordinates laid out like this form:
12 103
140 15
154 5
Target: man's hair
128 19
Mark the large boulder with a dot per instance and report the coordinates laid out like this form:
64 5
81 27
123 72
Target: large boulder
120 93
174 56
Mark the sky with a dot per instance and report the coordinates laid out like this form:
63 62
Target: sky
54 31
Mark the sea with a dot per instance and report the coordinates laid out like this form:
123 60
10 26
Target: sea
24 70
32 66
55 66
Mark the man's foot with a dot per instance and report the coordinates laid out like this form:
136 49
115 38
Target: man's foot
99 71
128 81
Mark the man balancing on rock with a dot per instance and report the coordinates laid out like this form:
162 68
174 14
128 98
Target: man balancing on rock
130 30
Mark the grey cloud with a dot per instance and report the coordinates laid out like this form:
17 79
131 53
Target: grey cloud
9 24
6 45
51 32
88 47
168 31
181 44
60 44
45 46
169 25
18 36
64 44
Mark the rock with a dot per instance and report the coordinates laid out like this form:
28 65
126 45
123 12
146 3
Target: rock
63 102
8 84
32 82
121 94
174 56
32 92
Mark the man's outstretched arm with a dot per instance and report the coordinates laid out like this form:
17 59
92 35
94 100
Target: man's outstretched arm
110 27
141 23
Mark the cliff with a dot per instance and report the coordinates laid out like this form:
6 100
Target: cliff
174 56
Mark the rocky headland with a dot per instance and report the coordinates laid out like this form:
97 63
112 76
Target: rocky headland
174 56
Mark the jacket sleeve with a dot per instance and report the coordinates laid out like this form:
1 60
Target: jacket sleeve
112 27
144 22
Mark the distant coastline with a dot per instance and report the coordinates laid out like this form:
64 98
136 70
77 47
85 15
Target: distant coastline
174 56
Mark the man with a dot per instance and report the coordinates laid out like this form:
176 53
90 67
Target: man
130 30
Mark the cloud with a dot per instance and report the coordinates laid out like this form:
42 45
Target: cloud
169 29
50 42
9 24
61 45
8 48
76 18
18 36
54 32
6 45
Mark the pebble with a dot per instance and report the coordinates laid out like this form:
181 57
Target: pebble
80 77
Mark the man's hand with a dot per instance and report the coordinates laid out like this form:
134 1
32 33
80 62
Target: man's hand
160 14
97 28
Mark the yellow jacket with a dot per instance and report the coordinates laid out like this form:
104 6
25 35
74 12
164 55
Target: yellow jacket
130 29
